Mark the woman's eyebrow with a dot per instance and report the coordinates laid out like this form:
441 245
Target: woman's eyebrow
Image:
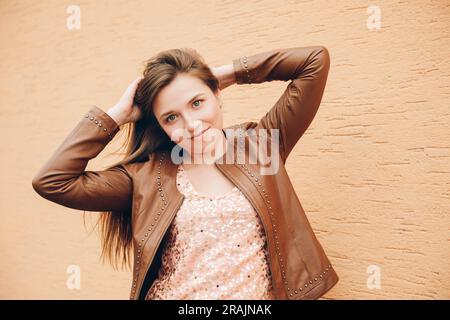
190 101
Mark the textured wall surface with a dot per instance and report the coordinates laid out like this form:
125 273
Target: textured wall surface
372 171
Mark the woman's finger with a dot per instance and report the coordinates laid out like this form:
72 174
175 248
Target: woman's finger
133 85
138 79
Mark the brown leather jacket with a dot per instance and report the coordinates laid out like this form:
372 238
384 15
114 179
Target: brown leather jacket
299 266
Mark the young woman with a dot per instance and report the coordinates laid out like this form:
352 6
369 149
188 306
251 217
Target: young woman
202 218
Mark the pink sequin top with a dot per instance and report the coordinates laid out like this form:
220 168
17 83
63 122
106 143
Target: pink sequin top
216 249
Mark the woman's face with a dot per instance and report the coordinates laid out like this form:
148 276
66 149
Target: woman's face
187 107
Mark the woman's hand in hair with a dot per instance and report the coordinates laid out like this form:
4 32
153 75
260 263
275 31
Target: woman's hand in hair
225 75
124 110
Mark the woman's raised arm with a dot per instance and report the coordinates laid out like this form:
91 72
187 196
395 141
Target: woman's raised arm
294 111
63 178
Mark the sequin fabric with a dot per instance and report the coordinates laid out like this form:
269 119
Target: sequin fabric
216 249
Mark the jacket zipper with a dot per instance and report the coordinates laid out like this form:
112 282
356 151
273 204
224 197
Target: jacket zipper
159 241
262 221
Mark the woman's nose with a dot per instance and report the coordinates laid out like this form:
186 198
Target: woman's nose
192 125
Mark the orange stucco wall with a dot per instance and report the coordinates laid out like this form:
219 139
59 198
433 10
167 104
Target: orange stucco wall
372 171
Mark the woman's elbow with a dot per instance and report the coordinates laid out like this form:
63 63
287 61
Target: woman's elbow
38 185
43 187
324 56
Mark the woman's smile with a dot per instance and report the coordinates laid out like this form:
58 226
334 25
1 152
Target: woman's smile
200 135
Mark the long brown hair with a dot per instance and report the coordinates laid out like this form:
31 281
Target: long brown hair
146 136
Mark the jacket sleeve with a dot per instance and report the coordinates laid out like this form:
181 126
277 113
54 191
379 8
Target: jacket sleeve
294 111
63 178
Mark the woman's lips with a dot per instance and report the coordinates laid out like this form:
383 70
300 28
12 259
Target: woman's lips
200 134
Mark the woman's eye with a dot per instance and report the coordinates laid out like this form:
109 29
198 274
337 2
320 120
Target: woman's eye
168 118
197 101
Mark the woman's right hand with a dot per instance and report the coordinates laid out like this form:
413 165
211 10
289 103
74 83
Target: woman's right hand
124 110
